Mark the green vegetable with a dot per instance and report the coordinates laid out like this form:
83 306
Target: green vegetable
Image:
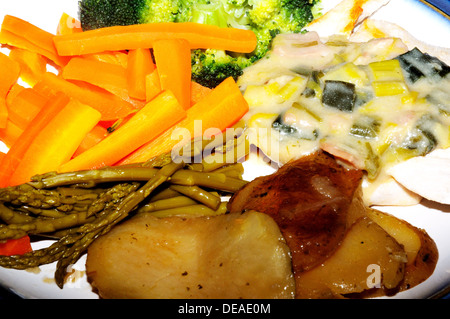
340 95
75 208
266 18
419 65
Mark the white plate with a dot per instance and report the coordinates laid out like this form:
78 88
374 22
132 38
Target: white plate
418 18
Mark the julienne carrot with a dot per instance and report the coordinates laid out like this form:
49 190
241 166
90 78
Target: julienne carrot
13 92
56 142
108 76
152 120
140 64
9 73
113 57
17 149
220 109
25 106
109 105
10 134
199 36
32 65
3 113
22 34
173 61
15 246
152 85
198 92
92 138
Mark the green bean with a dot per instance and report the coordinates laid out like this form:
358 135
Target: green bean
196 193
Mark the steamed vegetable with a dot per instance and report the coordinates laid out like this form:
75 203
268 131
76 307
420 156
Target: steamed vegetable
265 18
132 37
77 207
149 122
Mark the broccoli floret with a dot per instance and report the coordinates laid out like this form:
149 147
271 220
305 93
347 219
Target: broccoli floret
266 18
210 67
96 14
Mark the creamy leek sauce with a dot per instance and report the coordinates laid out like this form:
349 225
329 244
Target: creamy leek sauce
371 104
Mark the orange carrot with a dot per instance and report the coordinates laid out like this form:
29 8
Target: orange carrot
9 135
9 73
152 85
92 138
198 92
68 25
22 34
32 64
13 91
18 246
109 105
108 76
22 139
3 113
57 141
173 61
199 36
25 106
220 109
140 64
152 120
114 57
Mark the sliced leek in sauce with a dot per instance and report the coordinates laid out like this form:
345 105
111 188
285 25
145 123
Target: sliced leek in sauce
371 104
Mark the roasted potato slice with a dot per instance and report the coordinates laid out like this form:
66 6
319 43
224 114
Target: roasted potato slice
367 258
226 256
421 250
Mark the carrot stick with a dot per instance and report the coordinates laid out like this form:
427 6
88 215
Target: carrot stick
152 120
25 106
68 25
220 109
57 141
198 92
22 34
108 76
3 113
199 36
152 85
29 31
9 135
32 65
114 57
18 246
109 105
26 137
9 73
173 61
92 138
13 92
140 64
